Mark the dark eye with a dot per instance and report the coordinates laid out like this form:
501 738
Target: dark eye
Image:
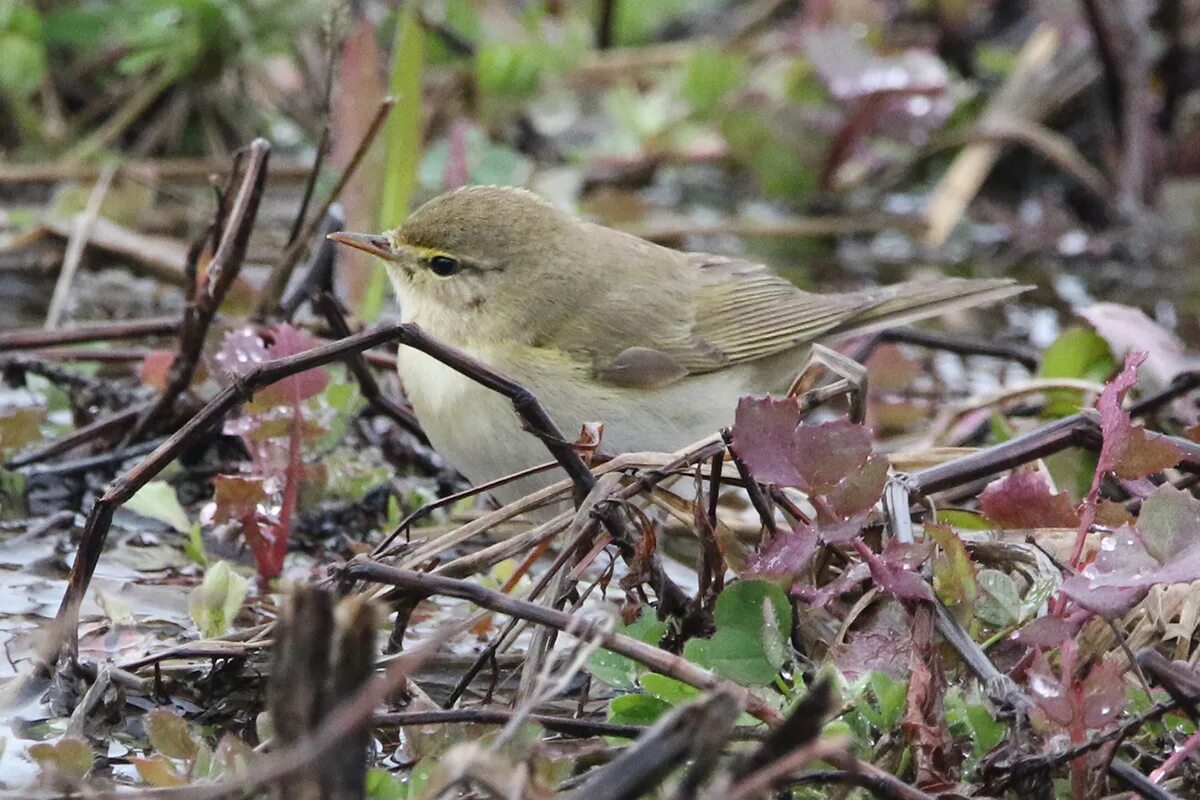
443 265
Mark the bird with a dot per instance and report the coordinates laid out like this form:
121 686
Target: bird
602 326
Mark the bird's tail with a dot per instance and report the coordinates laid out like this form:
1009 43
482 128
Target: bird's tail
902 303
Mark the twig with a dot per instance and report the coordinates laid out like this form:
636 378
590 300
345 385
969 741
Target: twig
219 276
1135 780
80 232
1106 52
1027 357
96 429
569 726
656 659
402 415
536 420
94 332
962 181
282 272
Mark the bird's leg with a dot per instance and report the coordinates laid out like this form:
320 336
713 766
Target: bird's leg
852 381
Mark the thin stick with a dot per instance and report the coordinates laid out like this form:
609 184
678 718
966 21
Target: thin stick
656 659
81 231
219 276
94 332
282 272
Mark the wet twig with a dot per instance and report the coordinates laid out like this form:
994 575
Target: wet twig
220 274
282 273
652 657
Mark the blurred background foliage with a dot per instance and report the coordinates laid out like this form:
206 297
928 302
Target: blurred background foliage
690 121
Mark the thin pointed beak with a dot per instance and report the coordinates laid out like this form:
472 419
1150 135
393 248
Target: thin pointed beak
373 243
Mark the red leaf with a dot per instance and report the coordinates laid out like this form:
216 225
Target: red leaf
861 490
787 554
1024 500
294 389
780 449
1047 691
1127 451
237 497
1164 549
893 571
155 368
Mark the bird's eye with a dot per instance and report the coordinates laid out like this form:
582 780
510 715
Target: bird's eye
443 265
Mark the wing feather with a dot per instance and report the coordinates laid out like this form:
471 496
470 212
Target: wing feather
742 312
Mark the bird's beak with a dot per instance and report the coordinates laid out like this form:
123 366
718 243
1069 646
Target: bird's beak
373 243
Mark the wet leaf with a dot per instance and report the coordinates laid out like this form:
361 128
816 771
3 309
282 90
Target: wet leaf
999 599
752 640
294 389
168 733
157 500
215 603
67 761
786 555
1024 500
953 571
157 770
619 671
1163 549
894 571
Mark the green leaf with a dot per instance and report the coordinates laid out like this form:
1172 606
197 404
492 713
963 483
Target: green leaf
1078 353
666 689
511 69
999 599
157 500
194 546
711 75
964 520
891 697
168 733
987 731
752 641
402 140
382 785
636 709
215 603
953 570
618 671
22 48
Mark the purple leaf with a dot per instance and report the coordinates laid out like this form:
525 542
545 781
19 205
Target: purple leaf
1127 450
289 341
1024 500
892 571
860 491
778 448
1048 692
1049 632
787 554
1164 549
762 437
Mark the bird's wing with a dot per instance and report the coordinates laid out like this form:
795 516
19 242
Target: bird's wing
742 312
